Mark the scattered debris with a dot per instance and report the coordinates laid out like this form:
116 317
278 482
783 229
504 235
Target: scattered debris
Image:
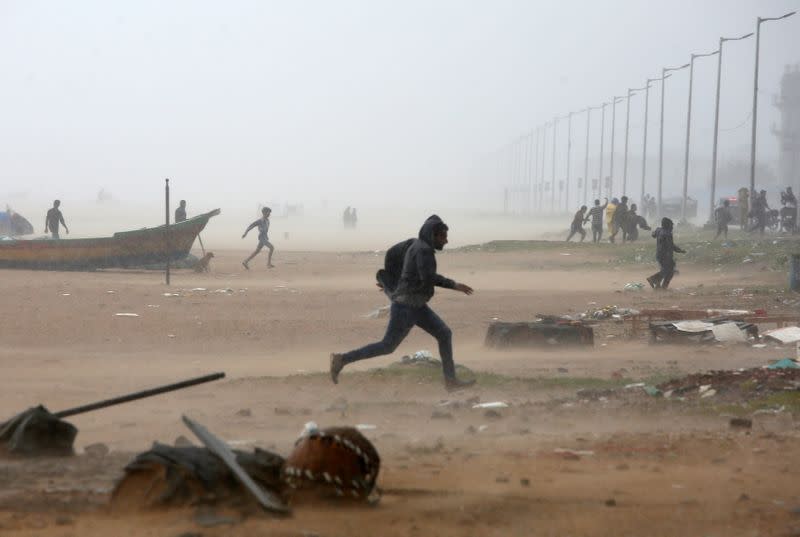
492 404
126 314
366 427
547 332
245 413
97 450
786 363
741 423
631 286
378 313
785 335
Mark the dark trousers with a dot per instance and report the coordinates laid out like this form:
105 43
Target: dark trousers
574 230
665 275
401 320
597 233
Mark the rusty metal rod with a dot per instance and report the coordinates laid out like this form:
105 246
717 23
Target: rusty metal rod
138 395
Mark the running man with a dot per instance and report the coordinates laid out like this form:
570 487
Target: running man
263 239
409 307
723 217
665 249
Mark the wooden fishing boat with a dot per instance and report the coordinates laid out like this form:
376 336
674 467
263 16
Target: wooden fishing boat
124 249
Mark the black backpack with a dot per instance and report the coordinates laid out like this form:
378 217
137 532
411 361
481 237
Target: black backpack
389 276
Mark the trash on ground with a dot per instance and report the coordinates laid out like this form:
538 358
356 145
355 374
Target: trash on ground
126 315
548 331
785 335
786 363
633 286
378 313
492 404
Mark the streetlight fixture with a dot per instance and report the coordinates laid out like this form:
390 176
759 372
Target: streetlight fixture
688 132
715 146
759 20
664 72
614 102
631 93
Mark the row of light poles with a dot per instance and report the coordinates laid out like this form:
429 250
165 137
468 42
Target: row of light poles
536 189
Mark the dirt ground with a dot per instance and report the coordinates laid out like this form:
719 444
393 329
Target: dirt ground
639 469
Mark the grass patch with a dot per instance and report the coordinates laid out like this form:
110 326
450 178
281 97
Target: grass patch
788 399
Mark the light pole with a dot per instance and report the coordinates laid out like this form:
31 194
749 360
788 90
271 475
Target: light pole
534 168
602 137
541 175
644 143
716 124
689 131
586 152
614 102
631 93
759 20
569 151
664 72
553 162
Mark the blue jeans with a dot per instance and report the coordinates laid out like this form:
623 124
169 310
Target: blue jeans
402 319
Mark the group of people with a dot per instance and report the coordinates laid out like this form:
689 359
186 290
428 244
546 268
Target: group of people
350 217
619 218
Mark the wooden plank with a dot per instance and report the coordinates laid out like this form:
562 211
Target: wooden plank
219 448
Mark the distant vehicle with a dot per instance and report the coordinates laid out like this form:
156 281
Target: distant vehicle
671 207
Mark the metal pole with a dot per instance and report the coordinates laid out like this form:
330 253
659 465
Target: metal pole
613 131
569 153
716 135
664 76
534 167
661 147
602 136
541 175
631 92
688 134
586 152
759 20
138 395
684 200
166 228
644 143
553 161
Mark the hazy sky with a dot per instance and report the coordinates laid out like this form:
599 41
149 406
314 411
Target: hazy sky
369 102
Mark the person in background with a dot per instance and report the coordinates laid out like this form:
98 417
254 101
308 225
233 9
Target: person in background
722 216
577 224
263 238
596 215
633 223
743 196
180 212
611 208
53 219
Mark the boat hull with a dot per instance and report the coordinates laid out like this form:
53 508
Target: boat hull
125 249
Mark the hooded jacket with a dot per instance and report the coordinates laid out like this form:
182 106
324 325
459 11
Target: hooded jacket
665 246
418 277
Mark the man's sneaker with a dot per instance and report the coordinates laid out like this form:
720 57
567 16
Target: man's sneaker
652 282
245 265
337 364
453 385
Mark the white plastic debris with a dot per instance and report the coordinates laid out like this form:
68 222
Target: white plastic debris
226 290
199 289
171 294
582 453
482 428
728 333
788 334
710 393
366 427
704 388
492 404
126 314
693 326
309 428
635 385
